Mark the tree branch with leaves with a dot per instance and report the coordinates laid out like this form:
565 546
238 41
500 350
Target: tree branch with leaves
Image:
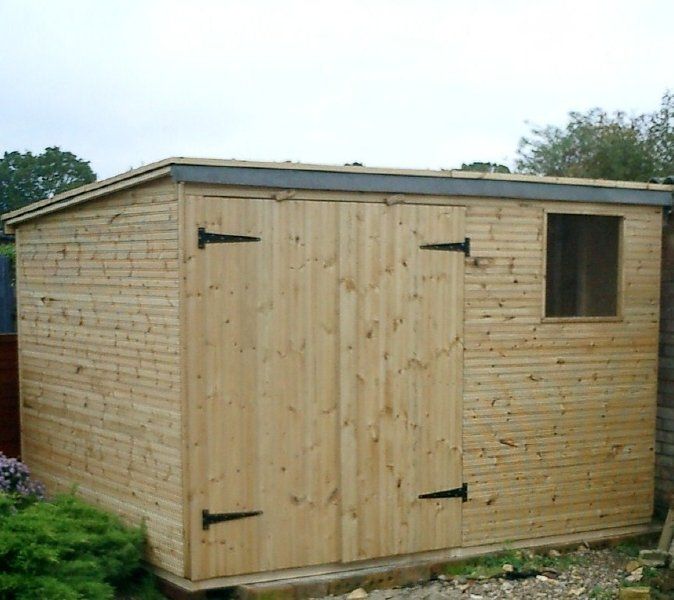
26 178
600 145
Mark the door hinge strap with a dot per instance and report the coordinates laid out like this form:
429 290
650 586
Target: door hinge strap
206 237
208 518
450 247
461 492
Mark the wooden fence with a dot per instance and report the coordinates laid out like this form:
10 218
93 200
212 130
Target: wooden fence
10 440
664 444
7 296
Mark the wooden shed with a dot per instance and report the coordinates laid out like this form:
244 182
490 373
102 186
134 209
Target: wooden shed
289 369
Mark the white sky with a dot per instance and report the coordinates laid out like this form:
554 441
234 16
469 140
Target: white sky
387 83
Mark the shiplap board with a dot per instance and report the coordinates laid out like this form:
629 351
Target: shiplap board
100 379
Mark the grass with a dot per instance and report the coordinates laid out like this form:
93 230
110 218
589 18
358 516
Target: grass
523 562
629 548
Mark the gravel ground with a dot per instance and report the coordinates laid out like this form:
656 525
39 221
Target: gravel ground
597 574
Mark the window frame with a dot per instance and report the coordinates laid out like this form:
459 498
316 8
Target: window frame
620 291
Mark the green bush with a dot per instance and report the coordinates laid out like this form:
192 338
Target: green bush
65 550
10 251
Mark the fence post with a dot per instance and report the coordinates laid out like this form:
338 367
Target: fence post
7 297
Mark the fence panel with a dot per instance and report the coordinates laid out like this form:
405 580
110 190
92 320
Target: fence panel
10 437
7 296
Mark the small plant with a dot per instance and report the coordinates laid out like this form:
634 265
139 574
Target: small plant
523 563
600 593
629 548
16 482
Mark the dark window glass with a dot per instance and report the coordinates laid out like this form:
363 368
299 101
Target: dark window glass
582 266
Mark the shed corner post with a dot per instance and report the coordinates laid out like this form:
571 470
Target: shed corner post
184 400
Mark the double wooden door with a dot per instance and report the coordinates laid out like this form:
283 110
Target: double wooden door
324 369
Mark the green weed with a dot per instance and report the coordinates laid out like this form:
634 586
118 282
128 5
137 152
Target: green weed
629 548
600 593
522 561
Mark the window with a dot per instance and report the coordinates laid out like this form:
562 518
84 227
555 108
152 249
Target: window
582 274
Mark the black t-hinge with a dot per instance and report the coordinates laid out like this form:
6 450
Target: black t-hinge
206 237
208 518
450 247
461 492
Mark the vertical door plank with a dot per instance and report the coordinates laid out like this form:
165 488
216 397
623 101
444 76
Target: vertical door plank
268 359
324 382
401 335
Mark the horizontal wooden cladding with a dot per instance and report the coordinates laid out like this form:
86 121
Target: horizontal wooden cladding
568 358
559 520
106 462
82 299
161 354
581 496
98 310
558 417
567 476
101 414
102 485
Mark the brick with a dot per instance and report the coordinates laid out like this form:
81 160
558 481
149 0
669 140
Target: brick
653 558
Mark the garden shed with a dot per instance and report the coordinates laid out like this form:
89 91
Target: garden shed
289 369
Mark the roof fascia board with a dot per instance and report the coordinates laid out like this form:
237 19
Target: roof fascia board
284 178
161 166
67 200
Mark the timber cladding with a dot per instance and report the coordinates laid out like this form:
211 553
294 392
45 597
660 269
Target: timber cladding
558 417
100 376
283 379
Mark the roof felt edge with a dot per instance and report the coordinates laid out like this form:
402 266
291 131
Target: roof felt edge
355 179
413 184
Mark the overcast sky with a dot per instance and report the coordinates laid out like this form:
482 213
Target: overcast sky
423 84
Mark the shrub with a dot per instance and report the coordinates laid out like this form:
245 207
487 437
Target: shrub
15 481
65 550
9 250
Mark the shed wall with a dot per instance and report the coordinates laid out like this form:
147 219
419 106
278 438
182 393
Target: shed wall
558 425
558 417
100 373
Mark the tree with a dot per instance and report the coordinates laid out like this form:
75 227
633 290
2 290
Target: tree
25 178
484 167
599 145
